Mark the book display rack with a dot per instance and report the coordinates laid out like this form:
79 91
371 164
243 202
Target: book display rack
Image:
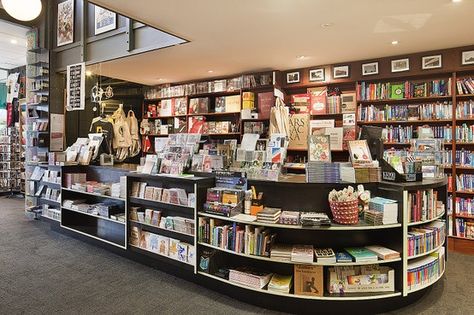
11 164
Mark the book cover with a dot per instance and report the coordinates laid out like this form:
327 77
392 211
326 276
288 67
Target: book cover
383 252
173 248
163 245
348 102
266 101
359 152
318 104
397 91
232 104
413 112
299 129
343 257
319 148
335 137
280 283
308 280
220 104
361 254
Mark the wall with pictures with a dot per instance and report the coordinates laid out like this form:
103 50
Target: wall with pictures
416 64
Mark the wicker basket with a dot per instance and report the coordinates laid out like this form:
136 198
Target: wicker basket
345 212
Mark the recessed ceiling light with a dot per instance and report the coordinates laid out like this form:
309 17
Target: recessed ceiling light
300 57
210 71
13 41
88 73
394 42
456 1
326 25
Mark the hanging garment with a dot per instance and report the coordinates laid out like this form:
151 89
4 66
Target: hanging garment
135 148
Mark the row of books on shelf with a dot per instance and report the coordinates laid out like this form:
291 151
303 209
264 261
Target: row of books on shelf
224 85
177 196
168 107
465 85
48 193
155 218
463 158
426 270
465 109
464 228
416 112
199 125
424 205
107 209
422 239
403 134
318 102
305 280
162 245
462 206
402 90
464 133
464 182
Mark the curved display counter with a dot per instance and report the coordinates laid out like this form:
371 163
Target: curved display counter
291 193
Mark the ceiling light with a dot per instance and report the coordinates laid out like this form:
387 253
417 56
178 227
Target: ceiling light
300 57
394 42
23 10
326 24
210 71
456 1
88 73
13 41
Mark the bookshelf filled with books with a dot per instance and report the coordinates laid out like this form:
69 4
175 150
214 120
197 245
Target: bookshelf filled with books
274 256
215 109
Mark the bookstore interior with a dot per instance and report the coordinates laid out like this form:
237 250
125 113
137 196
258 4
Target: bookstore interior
327 185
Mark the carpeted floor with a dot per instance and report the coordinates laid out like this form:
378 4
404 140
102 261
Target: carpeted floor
44 272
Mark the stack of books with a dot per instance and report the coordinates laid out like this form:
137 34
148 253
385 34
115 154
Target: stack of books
269 215
302 254
320 172
361 254
368 174
325 255
280 283
281 252
314 219
290 217
383 253
388 208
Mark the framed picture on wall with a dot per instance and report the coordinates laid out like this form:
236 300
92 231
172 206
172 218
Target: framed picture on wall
340 72
468 57
104 20
370 68
65 28
431 62
316 75
293 77
400 65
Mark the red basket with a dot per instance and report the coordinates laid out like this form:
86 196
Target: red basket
345 212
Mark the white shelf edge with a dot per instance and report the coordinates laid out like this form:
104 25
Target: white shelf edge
94 216
428 252
427 221
308 297
92 194
147 250
424 286
298 263
300 227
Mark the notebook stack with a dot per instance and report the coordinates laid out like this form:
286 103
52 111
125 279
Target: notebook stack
320 172
314 219
290 217
361 254
303 254
387 208
281 252
269 215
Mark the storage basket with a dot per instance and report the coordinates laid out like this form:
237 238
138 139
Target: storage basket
345 212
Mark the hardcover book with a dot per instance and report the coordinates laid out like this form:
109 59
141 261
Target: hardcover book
397 91
318 104
299 129
343 257
319 148
348 102
309 280
266 101
232 104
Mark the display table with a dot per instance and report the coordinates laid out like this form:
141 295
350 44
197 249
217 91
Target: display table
289 193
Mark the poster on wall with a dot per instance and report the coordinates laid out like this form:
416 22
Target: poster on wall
75 86
65 28
104 20
56 141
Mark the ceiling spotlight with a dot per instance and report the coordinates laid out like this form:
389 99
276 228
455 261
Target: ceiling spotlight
456 1
394 42
300 57
326 25
13 41
23 10
88 73
210 71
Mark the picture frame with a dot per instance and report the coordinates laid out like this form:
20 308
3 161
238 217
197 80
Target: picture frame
293 77
340 72
104 20
400 65
431 62
370 68
65 23
316 75
467 57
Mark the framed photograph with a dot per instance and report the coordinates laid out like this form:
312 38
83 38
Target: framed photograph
104 20
400 65
370 68
65 31
468 57
340 72
293 77
431 62
316 75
